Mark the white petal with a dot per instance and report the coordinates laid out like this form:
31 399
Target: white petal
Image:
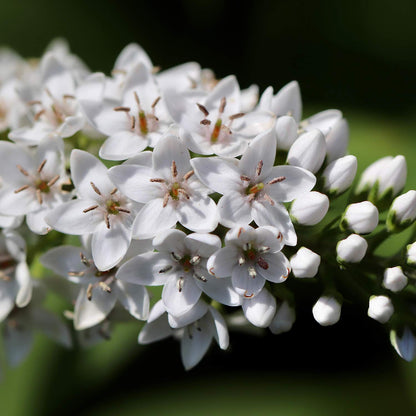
234 210
221 290
17 343
222 262
244 284
155 331
228 87
56 77
202 244
24 285
122 145
288 101
70 126
278 267
171 241
36 222
20 203
198 214
221 334
260 310
197 312
134 298
7 295
337 140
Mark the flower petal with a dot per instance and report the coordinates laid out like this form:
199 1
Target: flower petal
222 262
198 214
244 284
260 310
134 298
234 210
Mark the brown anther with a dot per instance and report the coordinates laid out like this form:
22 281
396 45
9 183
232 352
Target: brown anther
47 90
124 210
262 263
96 190
155 102
136 98
41 166
133 122
34 102
174 170
259 168
203 109
84 259
69 97
165 200
38 114
39 196
184 193
23 171
113 191
105 287
247 296
53 180
90 208
180 284
240 231
223 103
188 175
268 199
107 220
159 180
76 274
245 178
121 108
280 236
276 180
89 291
211 271
22 188
205 122
238 115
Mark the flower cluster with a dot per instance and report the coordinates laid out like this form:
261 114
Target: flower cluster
175 179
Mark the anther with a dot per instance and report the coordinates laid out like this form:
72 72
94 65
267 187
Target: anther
276 180
133 123
180 284
238 115
107 220
23 171
280 236
113 191
165 200
38 114
188 175
184 193
195 260
34 102
241 260
259 168
166 269
127 211
53 180
223 103
89 209
175 256
84 260
246 246
245 178
199 277
136 98
252 272
155 102
240 231
268 199
205 122
248 296
159 180
104 287
76 274
262 263
121 108
39 196
263 249
96 190
173 169
22 188
68 97
89 291
203 109
41 166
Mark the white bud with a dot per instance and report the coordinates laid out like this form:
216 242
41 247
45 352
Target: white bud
340 174
380 308
394 279
308 151
371 173
337 140
288 101
284 319
326 311
402 212
411 254
286 132
352 249
361 218
393 176
310 209
323 121
405 345
305 263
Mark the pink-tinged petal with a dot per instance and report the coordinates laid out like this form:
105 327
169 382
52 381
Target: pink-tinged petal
222 262
221 331
195 313
261 150
244 283
220 290
109 245
85 168
155 330
276 216
135 182
198 214
234 209
297 182
228 87
169 149
278 267
180 294
69 218
20 203
154 218
88 313
219 175
260 310
202 245
148 269
171 241
122 145
17 344
70 126
55 77
24 285
288 101
134 298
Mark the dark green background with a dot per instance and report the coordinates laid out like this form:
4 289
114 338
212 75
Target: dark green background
358 56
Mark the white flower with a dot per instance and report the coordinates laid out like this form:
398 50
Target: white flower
55 111
310 208
402 212
100 210
195 329
339 174
352 249
305 263
12 109
380 308
411 254
286 132
394 279
284 318
181 266
169 190
326 311
405 345
100 290
260 309
361 218
250 256
308 151
33 182
253 188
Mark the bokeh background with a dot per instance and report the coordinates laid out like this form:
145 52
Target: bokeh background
358 56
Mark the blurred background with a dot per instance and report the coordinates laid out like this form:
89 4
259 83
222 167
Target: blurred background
358 56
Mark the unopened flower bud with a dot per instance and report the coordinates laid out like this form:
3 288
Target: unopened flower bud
286 132
405 345
411 254
370 175
361 218
337 140
339 175
402 212
394 279
323 121
284 319
380 308
326 311
310 209
305 263
308 151
352 249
